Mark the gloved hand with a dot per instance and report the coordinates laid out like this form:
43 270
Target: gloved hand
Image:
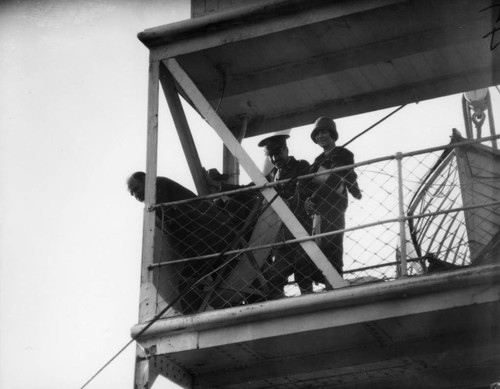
355 191
310 206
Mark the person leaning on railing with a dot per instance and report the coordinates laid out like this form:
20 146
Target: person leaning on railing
166 189
197 226
327 201
238 205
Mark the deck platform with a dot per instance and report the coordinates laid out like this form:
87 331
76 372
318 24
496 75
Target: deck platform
440 329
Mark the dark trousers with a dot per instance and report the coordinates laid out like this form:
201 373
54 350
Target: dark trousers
292 259
333 245
287 260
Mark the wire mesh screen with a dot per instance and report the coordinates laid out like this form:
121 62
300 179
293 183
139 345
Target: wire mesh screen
231 248
371 252
439 238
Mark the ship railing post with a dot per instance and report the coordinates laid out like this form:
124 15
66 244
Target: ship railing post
147 305
402 221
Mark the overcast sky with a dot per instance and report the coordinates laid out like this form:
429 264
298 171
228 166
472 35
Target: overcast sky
73 94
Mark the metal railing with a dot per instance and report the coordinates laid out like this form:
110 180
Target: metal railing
229 249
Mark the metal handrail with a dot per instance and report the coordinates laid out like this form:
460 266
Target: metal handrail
402 219
152 207
322 235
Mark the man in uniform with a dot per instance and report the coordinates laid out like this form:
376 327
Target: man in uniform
288 259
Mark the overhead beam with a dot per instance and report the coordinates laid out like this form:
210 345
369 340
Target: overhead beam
277 203
253 21
306 68
386 98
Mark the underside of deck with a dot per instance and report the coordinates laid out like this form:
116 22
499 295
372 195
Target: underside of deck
287 62
436 331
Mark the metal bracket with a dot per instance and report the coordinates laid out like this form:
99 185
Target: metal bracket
165 367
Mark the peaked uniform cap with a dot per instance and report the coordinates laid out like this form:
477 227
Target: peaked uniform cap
324 123
273 144
274 141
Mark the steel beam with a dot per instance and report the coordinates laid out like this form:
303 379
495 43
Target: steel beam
165 367
188 36
361 303
326 319
184 132
279 206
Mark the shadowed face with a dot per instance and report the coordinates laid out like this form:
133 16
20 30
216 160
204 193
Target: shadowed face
136 188
278 156
324 139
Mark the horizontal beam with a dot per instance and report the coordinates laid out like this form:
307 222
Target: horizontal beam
483 276
238 24
326 319
379 52
386 98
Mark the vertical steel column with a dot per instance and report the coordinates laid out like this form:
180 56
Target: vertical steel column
402 221
147 307
144 376
230 164
491 120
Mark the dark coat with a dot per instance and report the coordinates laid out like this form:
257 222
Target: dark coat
290 191
326 198
168 190
330 199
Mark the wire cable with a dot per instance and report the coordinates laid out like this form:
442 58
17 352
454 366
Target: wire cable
223 74
192 286
155 319
373 125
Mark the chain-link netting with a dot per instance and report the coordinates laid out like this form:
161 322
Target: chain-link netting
231 248
440 238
